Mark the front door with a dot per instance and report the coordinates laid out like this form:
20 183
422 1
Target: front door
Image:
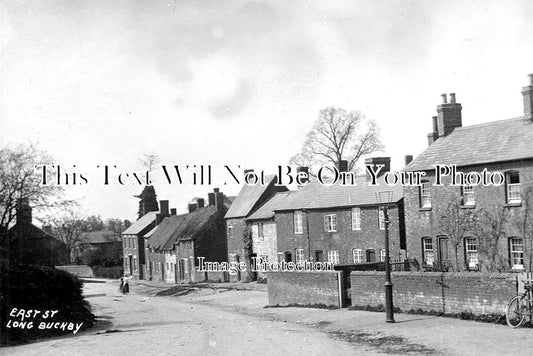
130 264
443 251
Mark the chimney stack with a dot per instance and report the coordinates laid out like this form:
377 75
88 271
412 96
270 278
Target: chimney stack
192 207
306 171
343 165
24 211
200 202
449 116
219 200
527 93
374 161
163 211
408 159
210 199
173 211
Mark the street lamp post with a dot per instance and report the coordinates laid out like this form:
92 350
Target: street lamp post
384 198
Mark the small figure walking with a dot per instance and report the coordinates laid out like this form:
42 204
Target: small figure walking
124 286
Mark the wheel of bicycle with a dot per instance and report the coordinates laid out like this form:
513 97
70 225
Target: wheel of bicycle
515 311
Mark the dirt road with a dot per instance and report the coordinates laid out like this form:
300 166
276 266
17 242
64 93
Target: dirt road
220 320
143 325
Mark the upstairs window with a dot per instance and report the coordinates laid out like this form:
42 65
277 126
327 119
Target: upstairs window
469 197
230 231
330 222
356 219
357 255
516 249
298 222
425 195
333 257
381 219
512 180
428 251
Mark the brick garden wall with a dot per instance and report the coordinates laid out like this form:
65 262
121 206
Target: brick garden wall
303 288
479 293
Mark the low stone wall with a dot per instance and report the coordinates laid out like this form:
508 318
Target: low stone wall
303 288
78 270
478 293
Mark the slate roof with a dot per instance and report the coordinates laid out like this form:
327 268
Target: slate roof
266 211
497 141
140 224
181 227
319 196
247 198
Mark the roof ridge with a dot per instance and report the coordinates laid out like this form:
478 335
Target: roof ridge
488 123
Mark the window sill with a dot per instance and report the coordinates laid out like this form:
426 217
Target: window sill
425 209
468 206
513 205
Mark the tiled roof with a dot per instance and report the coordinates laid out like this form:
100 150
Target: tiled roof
181 227
266 211
496 141
247 198
164 231
319 196
140 224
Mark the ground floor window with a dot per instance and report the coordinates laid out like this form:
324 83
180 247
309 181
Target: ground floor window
333 257
428 251
471 252
357 255
134 264
517 252
299 254
382 255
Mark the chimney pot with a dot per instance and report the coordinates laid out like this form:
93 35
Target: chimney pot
216 190
444 99
530 76
452 98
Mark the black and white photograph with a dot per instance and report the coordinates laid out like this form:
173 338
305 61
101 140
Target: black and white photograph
267 177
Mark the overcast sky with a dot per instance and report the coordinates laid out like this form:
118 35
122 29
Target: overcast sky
241 82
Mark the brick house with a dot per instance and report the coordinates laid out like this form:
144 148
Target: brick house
176 243
249 199
340 223
108 245
504 146
26 243
263 227
133 240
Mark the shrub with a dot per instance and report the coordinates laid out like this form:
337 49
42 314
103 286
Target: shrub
40 288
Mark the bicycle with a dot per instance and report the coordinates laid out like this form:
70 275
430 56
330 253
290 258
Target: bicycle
520 306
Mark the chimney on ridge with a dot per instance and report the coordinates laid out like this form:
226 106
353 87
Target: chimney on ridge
306 171
373 162
24 211
527 93
448 116
163 211
343 165
408 159
173 211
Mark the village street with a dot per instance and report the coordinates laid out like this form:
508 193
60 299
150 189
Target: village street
225 319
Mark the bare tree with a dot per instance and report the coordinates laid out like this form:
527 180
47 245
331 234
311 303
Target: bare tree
69 228
19 179
524 223
149 160
490 230
338 135
456 222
